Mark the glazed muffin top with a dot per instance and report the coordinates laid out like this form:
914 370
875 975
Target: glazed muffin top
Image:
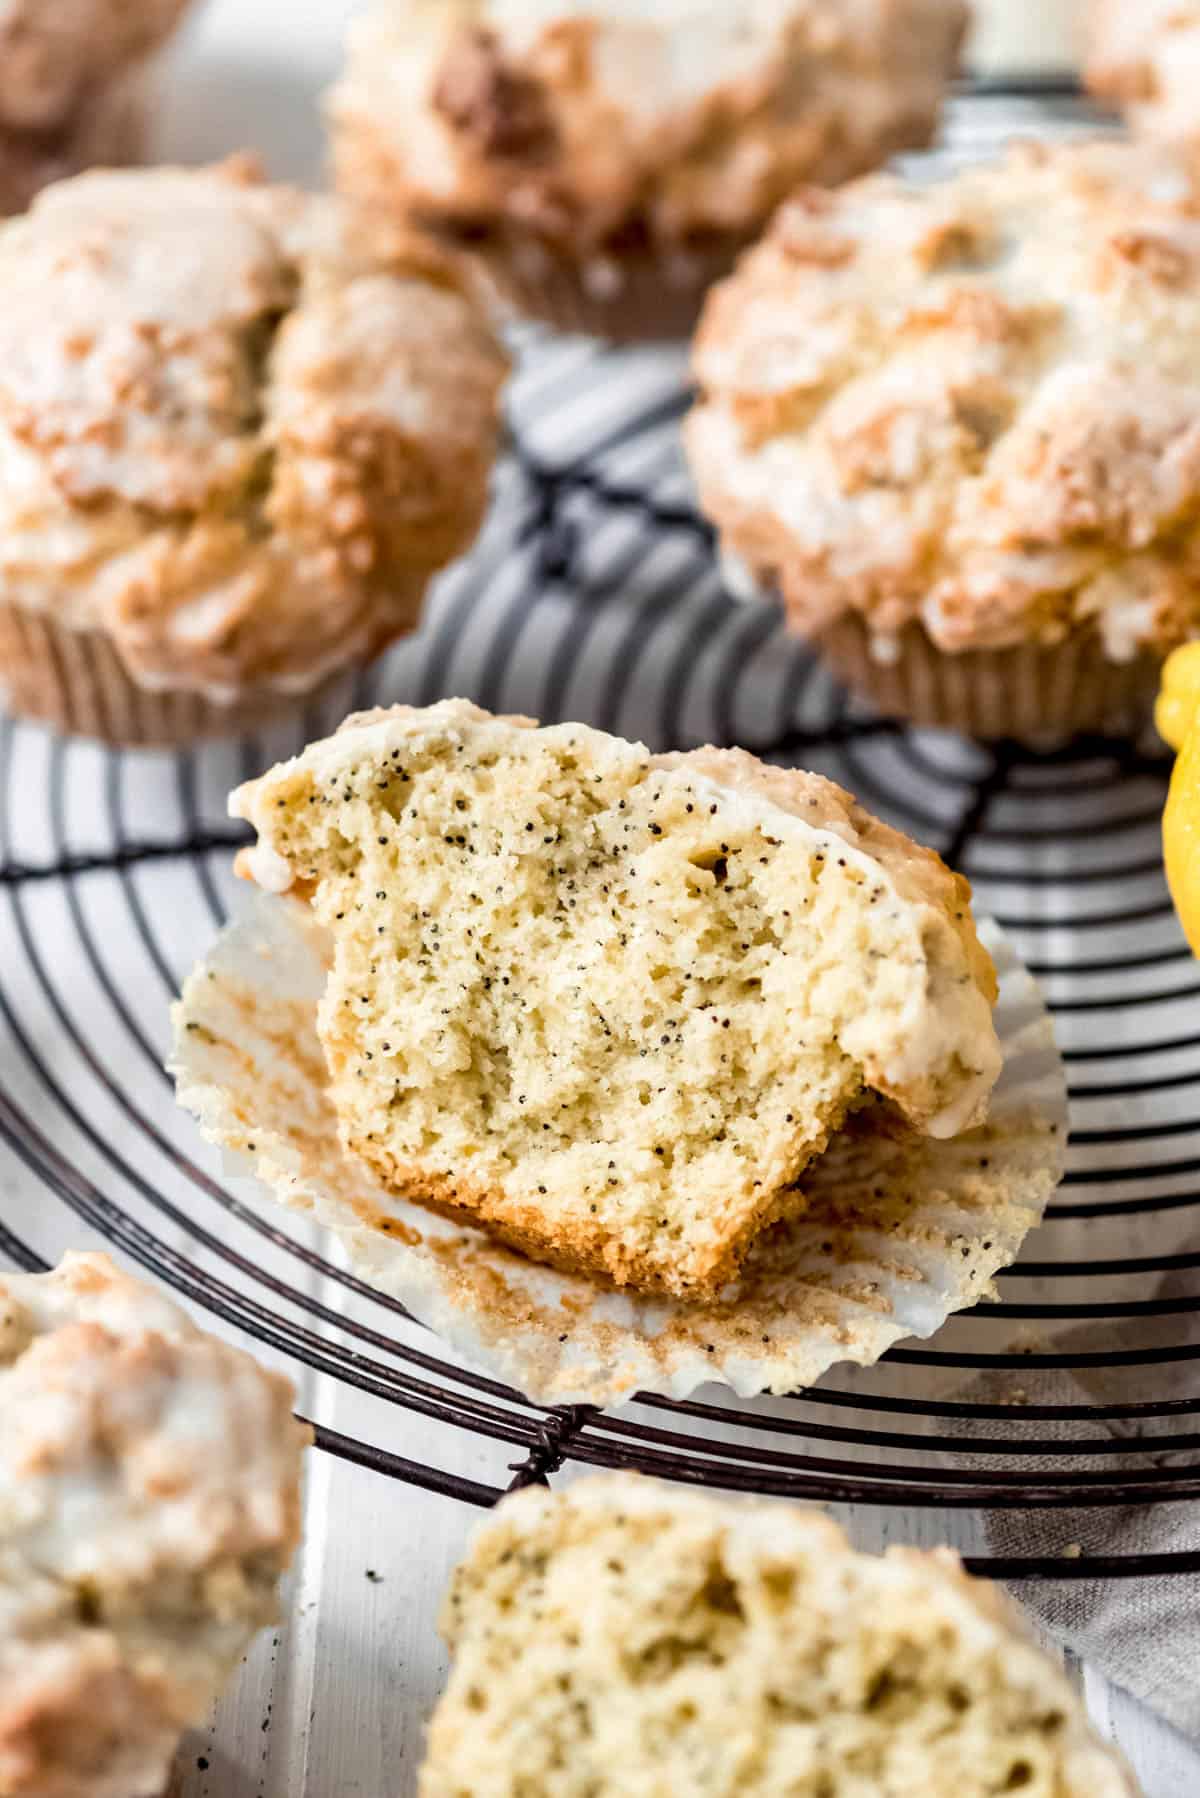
676 120
149 1501
52 52
234 422
973 404
1145 56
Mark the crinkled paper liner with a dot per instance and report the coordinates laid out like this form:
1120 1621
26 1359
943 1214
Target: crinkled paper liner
108 128
899 1234
629 297
1031 693
77 681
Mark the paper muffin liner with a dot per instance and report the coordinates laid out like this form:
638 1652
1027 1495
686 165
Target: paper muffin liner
900 1232
77 681
636 296
108 129
1030 693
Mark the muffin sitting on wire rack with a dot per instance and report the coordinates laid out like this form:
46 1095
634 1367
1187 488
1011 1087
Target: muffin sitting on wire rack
76 81
956 428
239 435
623 1072
605 162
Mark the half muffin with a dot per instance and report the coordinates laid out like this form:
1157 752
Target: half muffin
609 1005
624 1638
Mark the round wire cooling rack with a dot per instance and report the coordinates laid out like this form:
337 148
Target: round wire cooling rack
595 593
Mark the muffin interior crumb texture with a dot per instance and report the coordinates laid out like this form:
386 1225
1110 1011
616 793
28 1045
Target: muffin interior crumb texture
610 1004
624 1640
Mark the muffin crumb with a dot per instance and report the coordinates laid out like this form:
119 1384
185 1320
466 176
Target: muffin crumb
649 1639
612 1006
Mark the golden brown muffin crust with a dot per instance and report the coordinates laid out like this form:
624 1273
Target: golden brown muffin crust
972 405
54 53
239 428
603 126
74 76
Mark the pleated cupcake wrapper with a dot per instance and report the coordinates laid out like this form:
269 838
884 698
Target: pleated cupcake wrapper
1030 693
112 124
898 1235
635 298
76 681
108 128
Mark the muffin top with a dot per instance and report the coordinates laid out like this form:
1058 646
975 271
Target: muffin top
234 421
53 52
625 1637
1145 56
674 120
973 404
149 1501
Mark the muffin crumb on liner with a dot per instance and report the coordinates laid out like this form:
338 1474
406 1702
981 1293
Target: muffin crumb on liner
899 1233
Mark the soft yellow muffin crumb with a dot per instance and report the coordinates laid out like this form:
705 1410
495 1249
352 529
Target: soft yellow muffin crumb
608 1004
625 1639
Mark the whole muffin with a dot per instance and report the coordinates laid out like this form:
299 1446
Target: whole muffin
75 79
239 433
957 428
149 1503
606 161
1144 56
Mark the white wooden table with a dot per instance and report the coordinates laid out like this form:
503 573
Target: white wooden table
333 1704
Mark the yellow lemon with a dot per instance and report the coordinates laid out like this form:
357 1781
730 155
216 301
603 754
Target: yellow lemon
1178 719
1179 701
